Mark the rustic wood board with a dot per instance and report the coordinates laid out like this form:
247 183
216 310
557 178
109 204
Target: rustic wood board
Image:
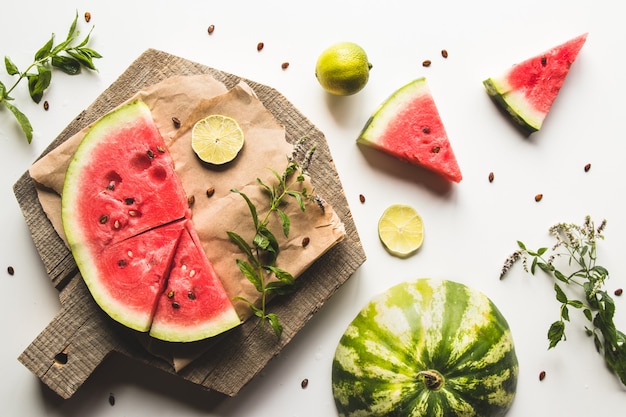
82 336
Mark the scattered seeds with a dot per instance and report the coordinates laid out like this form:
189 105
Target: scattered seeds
150 154
133 213
491 176
191 295
538 197
211 29
259 46
284 65
444 53
175 305
304 383
305 241
87 17
128 201
426 63
121 263
10 270
361 198
426 130
618 292
160 149
170 294
542 375
587 167
210 191
191 200
111 399
435 149
544 61
176 122
46 105
103 219
117 224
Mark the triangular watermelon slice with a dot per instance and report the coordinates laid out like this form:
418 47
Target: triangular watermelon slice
193 305
407 126
126 218
526 91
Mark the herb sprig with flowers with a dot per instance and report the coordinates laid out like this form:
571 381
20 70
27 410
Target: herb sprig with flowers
262 253
65 56
576 248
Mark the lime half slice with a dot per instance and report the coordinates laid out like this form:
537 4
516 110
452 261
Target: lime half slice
217 139
401 230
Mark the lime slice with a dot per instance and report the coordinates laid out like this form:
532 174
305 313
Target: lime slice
401 230
216 139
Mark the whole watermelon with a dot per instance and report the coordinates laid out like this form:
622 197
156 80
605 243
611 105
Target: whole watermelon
431 348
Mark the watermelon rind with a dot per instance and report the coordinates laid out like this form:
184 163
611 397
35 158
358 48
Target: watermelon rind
423 348
525 117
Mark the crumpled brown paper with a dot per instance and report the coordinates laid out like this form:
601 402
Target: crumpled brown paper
189 98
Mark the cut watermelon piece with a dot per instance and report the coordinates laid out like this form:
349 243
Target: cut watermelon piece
194 304
126 218
527 91
407 126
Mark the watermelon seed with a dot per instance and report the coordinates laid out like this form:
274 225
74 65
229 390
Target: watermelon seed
175 304
210 191
435 149
176 122
170 294
128 201
304 383
192 273
111 399
426 130
538 197
190 200
211 29
587 167
259 46
361 198
117 224
284 65
87 17
444 53
46 105
191 295
160 149
542 375
150 154
618 292
491 177
121 263
544 61
11 270
133 213
103 219
305 241
426 63
111 186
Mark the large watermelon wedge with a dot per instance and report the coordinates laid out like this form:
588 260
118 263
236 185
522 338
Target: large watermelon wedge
426 348
407 126
126 218
527 90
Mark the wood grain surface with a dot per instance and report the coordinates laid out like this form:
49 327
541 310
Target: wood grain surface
82 336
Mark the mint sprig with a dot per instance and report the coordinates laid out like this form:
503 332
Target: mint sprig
260 263
66 56
572 262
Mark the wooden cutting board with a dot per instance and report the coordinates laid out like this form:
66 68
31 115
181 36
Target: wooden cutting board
82 336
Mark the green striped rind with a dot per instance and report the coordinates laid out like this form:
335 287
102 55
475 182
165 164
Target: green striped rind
419 326
515 105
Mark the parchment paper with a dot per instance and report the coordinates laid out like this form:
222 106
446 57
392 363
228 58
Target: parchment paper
190 98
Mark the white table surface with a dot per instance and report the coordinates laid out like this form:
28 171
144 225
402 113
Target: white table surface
470 227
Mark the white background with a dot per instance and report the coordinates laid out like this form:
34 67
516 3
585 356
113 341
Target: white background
471 227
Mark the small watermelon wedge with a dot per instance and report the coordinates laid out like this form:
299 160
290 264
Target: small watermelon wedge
127 222
527 90
407 126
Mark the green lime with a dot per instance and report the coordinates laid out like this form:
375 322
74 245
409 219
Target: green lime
216 139
401 230
343 69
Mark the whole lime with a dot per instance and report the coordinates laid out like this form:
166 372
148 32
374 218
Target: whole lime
343 69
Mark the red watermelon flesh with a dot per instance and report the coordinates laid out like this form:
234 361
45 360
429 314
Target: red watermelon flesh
407 126
527 91
193 305
124 210
130 275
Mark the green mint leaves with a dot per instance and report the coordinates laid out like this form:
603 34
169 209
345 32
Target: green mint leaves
261 254
572 262
65 56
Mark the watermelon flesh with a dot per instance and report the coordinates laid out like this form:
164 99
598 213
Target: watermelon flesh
126 218
407 126
527 91
194 304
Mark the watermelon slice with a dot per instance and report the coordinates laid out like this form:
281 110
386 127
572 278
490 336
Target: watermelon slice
126 218
194 304
526 91
407 126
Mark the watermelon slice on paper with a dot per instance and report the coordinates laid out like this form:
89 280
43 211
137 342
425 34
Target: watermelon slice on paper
407 126
126 219
527 91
